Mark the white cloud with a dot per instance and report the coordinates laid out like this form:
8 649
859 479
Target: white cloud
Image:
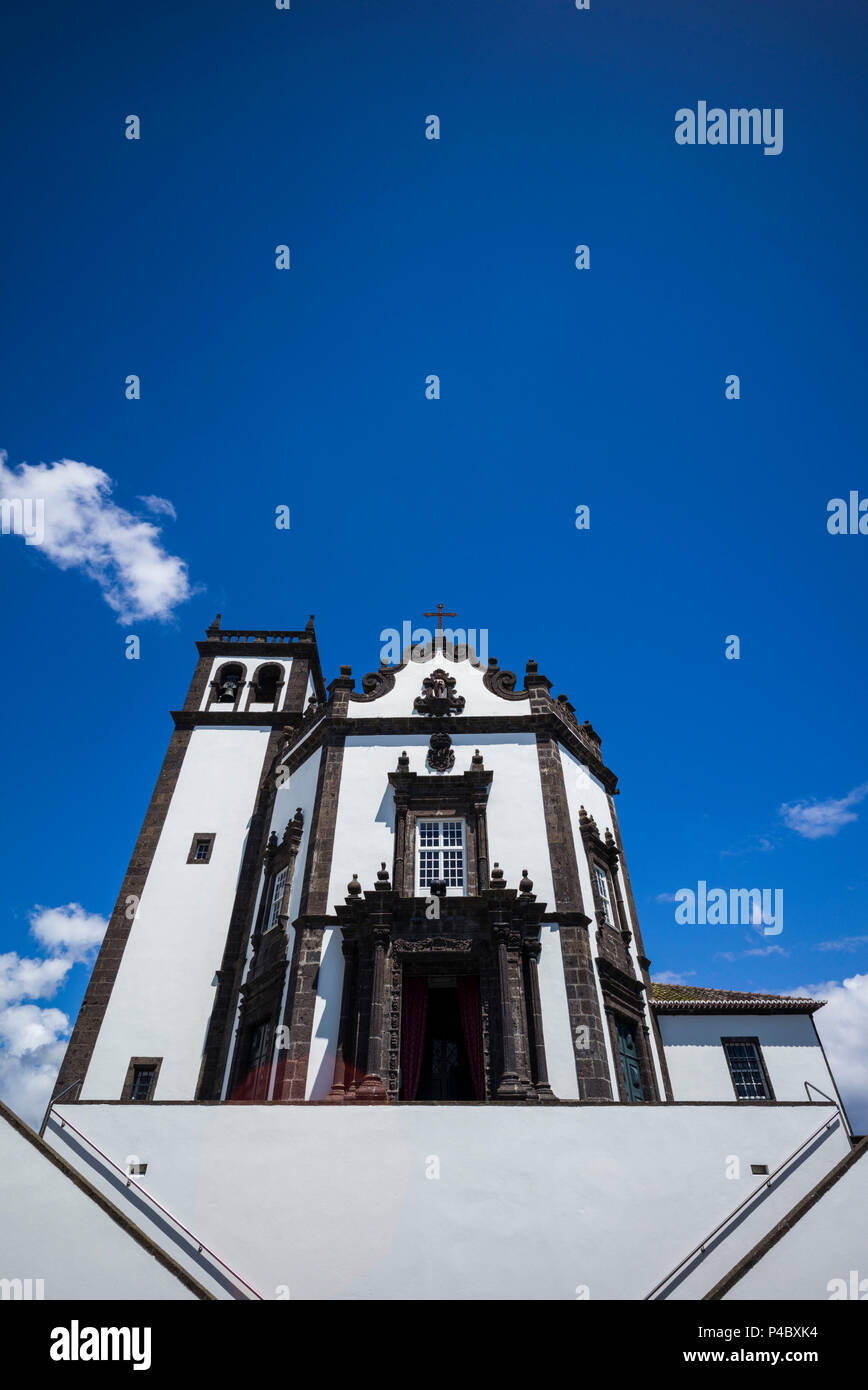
815 819
667 898
31 1035
23 977
68 929
84 529
160 506
843 1029
672 977
32 1044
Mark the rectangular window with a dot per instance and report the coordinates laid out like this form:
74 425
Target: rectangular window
440 854
143 1083
276 900
201 848
746 1068
603 893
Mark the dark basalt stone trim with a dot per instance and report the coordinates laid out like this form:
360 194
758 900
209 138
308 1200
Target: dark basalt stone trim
47 1152
543 722
296 686
374 685
93 1009
232 718
762 1247
503 683
220 1026
318 860
583 1006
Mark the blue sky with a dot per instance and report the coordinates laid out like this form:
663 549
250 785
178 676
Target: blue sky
559 387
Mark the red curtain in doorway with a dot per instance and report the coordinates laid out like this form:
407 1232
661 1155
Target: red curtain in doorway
414 1011
471 1022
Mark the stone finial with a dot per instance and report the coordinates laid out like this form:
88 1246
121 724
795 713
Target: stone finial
312 703
526 884
609 838
271 847
404 762
346 670
476 764
531 667
492 661
382 884
308 627
354 888
497 879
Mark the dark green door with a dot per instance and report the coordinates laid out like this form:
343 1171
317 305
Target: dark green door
629 1060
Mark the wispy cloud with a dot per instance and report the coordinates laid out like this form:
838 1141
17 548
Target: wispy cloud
160 506
673 977
667 898
844 943
85 530
32 1036
753 951
815 819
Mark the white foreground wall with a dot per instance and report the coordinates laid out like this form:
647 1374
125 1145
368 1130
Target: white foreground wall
825 1254
52 1230
463 1201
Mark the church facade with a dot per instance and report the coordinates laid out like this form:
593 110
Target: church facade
414 896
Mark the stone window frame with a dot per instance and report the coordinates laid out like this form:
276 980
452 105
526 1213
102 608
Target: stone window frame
223 705
625 996
279 854
604 854
769 1098
134 1064
462 797
209 836
278 692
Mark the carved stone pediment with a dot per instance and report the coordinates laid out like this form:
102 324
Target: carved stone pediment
438 696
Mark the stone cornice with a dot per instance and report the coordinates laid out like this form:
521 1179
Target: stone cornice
545 721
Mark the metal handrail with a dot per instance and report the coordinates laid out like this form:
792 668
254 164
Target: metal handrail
749 1198
202 1248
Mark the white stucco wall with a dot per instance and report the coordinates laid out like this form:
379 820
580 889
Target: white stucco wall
364 838
478 700
54 1231
529 1202
827 1246
697 1062
164 991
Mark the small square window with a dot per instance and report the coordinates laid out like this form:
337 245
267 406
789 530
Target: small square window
201 847
141 1079
143 1083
